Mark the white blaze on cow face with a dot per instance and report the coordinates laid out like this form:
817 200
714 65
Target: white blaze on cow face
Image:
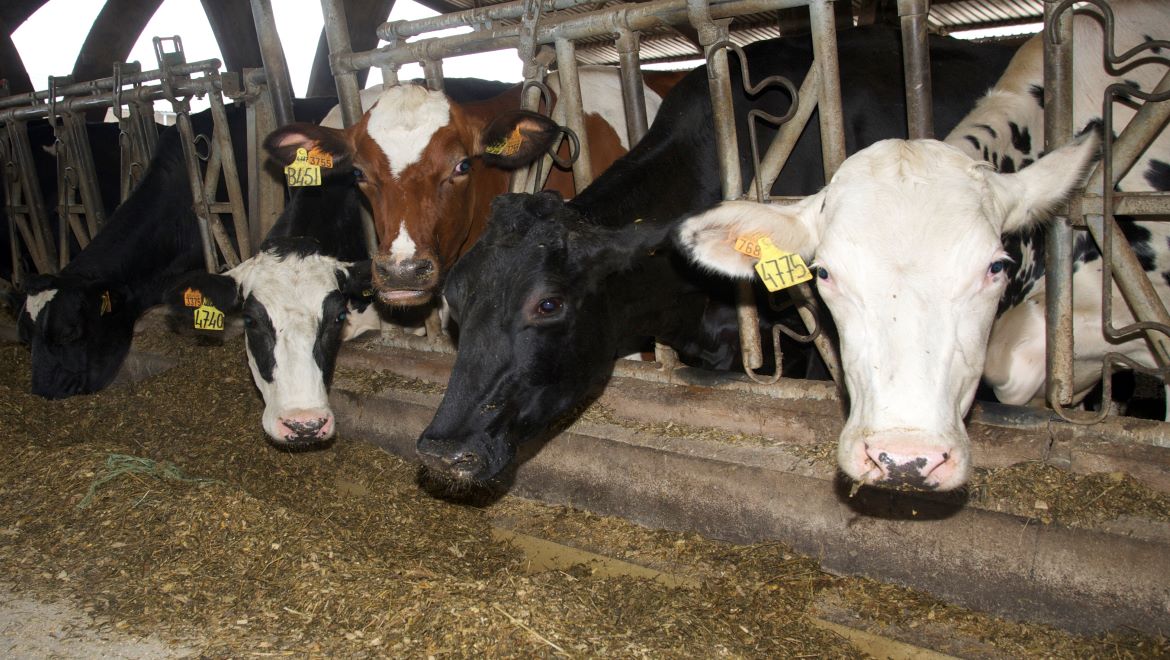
403 246
404 120
907 248
285 302
37 301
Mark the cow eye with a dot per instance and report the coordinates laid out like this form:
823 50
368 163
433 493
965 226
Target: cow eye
462 167
822 272
997 267
249 322
341 316
548 306
358 175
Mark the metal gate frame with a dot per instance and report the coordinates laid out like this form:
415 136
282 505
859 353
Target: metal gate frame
541 26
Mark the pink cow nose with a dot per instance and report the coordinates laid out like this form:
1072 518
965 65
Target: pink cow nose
305 427
924 468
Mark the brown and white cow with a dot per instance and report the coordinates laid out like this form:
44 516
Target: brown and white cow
430 167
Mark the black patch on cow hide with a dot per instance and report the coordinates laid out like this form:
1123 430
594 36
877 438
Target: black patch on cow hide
1158 175
1021 138
989 129
974 142
261 336
1037 93
328 341
298 246
1007 165
1026 162
1139 238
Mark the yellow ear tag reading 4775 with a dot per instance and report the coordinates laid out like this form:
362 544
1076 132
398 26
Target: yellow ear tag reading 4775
208 317
779 269
301 172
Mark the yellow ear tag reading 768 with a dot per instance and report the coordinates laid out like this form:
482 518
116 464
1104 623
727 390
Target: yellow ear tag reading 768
779 269
208 317
301 172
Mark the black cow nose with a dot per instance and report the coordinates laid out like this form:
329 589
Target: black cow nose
459 462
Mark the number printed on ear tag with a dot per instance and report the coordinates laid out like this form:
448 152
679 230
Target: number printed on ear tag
301 173
208 317
779 269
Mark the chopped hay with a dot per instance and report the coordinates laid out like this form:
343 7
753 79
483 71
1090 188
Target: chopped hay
337 552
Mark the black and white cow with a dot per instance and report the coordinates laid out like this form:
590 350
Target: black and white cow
296 296
931 261
542 298
79 323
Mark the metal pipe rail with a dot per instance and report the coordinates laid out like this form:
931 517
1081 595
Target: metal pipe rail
578 26
393 31
106 99
110 84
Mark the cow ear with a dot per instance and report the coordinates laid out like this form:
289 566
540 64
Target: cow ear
517 138
199 289
709 237
283 143
602 251
1028 195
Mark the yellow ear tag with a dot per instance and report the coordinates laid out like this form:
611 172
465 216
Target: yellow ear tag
107 306
319 157
779 269
301 173
748 245
508 146
192 297
208 317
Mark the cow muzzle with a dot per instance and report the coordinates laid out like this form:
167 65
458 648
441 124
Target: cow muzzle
406 282
907 460
297 428
466 459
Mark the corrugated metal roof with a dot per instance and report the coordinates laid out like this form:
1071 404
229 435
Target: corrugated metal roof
967 14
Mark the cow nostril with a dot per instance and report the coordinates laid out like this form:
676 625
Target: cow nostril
382 270
466 462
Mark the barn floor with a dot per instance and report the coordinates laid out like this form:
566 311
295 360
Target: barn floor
158 509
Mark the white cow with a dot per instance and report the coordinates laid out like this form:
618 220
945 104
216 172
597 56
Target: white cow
914 244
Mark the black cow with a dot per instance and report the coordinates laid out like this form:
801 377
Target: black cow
542 297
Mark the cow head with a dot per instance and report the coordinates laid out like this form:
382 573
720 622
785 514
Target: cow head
295 303
79 331
909 261
429 168
535 334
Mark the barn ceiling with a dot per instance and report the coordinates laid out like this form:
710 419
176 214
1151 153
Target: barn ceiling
119 23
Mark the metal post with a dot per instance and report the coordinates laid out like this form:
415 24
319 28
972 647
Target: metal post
633 91
337 36
265 192
222 148
570 102
832 123
916 64
1058 114
36 231
275 66
433 71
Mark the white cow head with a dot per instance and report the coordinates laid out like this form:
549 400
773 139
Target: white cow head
909 261
296 304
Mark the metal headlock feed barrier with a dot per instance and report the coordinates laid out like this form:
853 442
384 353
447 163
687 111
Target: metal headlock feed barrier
129 93
542 32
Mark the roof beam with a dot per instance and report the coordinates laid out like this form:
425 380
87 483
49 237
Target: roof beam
235 32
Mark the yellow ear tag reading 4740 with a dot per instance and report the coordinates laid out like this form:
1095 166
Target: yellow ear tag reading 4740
301 172
779 269
208 317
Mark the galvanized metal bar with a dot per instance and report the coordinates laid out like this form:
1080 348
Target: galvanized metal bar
275 66
199 202
1058 118
570 103
145 93
830 113
81 158
776 157
1138 134
222 148
433 72
41 245
401 30
916 64
633 90
1135 286
265 192
96 87
640 16
1137 204
337 36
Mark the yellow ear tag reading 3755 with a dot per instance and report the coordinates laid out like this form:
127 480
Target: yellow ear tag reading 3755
208 317
301 173
779 269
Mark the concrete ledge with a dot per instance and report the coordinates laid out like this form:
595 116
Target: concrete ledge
1081 580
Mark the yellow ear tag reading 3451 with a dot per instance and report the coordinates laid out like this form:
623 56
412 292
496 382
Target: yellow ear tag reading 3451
208 317
779 269
301 173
